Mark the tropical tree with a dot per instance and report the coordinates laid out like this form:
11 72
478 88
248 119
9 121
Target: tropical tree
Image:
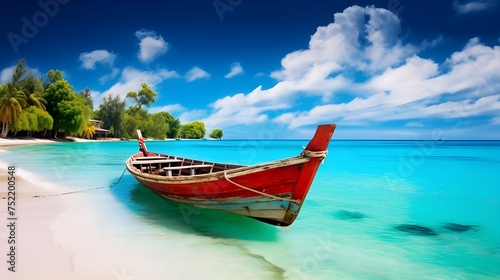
156 126
53 76
68 109
12 101
174 125
111 113
44 119
23 122
88 97
88 131
193 130
217 133
130 125
144 97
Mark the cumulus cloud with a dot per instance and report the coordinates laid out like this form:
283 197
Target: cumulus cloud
473 6
236 69
90 59
131 79
397 83
151 45
197 73
108 77
192 115
6 74
167 108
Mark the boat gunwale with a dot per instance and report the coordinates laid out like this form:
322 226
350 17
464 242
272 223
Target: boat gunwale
214 176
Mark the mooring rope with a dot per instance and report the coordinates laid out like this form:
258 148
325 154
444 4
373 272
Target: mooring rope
259 192
86 190
314 154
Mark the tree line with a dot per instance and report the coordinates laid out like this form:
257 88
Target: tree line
52 108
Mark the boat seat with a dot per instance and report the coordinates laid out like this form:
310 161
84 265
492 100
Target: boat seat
192 167
155 161
149 158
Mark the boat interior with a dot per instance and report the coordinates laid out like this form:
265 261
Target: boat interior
166 165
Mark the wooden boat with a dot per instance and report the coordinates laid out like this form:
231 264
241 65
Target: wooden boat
271 192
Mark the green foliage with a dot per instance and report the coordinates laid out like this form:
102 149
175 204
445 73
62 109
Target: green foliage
193 130
28 104
69 110
44 120
130 124
56 93
32 119
22 122
111 113
174 125
156 126
19 73
89 131
12 101
88 97
144 97
217 133
53 76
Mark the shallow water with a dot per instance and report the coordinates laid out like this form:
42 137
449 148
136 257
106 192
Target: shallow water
364 218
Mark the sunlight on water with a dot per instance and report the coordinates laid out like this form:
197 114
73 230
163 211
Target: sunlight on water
376 210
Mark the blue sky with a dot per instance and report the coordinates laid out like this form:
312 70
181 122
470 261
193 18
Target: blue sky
396 69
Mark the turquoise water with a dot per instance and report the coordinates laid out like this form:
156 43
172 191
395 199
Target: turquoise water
376 210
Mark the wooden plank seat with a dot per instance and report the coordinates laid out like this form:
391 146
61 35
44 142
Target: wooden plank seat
134 162
150 158
192 167
150 165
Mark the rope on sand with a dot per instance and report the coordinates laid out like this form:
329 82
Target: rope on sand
86 190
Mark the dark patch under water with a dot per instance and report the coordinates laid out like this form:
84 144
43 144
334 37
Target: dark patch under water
458 227
416 230
349 215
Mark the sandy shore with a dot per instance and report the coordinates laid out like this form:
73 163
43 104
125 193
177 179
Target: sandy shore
37 254
7 142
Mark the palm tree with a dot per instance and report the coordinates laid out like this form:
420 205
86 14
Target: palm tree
12 102
88 132
37 101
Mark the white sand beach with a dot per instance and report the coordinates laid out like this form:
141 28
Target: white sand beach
89 235
37 255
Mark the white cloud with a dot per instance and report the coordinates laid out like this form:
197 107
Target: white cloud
340 45
167 108
236 69
108 77
131 79
151 45
398 83
197 73
495 120
6 74
473 6
90 59
193 115
414 124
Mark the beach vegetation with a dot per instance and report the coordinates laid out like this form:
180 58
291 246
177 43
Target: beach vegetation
112 113
192 130
144 97
12 101
32 105
69 110
89 131
216 133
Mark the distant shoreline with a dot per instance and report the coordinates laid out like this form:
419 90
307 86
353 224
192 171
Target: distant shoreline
9 142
